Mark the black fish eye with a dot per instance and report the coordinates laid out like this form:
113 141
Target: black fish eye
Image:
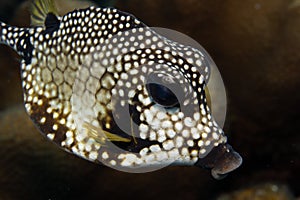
160 88
162 95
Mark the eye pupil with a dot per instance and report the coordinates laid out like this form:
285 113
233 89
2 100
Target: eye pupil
162 95
161 87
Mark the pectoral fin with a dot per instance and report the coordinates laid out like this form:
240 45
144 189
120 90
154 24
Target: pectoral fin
103 136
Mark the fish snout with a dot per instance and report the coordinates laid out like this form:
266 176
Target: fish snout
221 160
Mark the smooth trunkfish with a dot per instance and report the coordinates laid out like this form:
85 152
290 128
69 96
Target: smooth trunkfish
102 85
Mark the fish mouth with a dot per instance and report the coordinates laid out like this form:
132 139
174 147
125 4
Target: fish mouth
221 160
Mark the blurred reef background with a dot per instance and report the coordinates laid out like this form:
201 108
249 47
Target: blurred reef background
256 46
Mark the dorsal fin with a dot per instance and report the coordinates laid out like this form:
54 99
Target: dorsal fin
51 23
40 9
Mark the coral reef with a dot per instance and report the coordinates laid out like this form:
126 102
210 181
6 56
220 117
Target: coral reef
267 191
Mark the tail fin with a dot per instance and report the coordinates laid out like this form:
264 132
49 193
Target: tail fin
17 39
10 35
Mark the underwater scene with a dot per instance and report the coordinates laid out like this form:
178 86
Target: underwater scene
149 99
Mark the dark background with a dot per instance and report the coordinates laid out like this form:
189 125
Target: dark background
256 45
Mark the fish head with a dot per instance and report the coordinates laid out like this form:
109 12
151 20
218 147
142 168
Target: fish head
154 93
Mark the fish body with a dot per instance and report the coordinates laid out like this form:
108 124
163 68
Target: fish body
102 85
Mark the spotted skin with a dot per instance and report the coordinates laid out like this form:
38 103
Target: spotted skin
77 77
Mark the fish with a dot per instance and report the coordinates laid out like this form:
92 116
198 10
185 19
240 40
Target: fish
104 86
